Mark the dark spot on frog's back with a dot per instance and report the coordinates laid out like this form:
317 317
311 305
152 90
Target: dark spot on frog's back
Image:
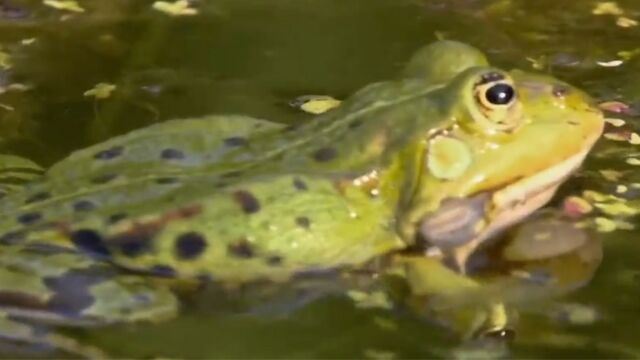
133 244
190 245
247 201
231 174
12 237
72 290
303 222
355 124
167 180
163 270
103 179
235 141
172 154
109 154
89 241
325 154
37 197
115 218
274 260
241 249
83 205
29 218
299 184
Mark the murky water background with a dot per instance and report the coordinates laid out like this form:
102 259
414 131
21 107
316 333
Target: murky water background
252 57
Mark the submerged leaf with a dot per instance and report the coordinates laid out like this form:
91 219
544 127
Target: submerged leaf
177 8
605 225
101 91
69 5
633 161
607 8
615 122
611 175
626 22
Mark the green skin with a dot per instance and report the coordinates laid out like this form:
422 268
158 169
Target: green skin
241 199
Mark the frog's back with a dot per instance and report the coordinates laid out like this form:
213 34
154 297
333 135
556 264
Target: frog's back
236 199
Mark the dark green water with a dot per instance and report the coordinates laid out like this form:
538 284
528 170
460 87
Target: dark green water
252 57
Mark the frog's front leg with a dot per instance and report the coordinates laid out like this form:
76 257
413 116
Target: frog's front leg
544 257
454 298
45 286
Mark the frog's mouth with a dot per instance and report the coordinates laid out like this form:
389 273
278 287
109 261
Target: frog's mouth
472 220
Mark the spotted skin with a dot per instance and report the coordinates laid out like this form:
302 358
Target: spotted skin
236 199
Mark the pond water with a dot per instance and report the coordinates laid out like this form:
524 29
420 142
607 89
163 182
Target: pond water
252 57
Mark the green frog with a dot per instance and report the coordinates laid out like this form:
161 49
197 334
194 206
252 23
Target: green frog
442 159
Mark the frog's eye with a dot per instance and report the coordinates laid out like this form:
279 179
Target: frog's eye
494 91
497 107
500 94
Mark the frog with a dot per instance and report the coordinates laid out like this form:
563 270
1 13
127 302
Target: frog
444 158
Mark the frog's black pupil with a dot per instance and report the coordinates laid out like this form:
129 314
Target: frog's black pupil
500 94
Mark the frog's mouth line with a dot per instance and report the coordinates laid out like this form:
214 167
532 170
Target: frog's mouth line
456 225
519 199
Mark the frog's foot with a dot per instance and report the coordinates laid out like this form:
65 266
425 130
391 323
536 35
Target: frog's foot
315 104
457 300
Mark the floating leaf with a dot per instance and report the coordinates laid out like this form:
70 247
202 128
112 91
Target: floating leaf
610 63
615 122
611 175
633 161
621 189
315 104
629 54
28 41
591 195
607 8
626 22
575 207
634 139
177 8
614 106
617 136
576 314
69 5
375 354
605 225
101 91
5 60
617 208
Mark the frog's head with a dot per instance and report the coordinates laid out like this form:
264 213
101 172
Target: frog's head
507 141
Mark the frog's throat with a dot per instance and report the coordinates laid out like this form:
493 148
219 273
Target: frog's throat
462 225
517 200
